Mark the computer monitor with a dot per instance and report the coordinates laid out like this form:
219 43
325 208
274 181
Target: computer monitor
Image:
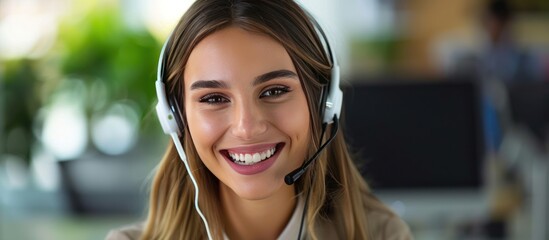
529 107
419 144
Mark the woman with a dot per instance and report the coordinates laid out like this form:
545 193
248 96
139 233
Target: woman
249 79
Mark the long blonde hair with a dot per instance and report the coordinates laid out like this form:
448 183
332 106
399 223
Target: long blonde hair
339 194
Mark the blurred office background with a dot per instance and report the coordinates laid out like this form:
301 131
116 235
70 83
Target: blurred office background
446 109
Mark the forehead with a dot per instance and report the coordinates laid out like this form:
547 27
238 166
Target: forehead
233 53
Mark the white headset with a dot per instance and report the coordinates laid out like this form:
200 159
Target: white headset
170 115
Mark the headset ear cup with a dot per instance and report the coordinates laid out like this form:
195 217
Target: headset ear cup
178 114
165 115
332 106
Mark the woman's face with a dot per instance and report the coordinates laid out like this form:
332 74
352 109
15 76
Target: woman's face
246 111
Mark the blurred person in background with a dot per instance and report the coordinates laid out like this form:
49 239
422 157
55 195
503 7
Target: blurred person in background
492 56
500 58
497 62
495 59
245 79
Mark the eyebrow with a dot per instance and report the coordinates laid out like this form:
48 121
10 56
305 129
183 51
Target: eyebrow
208 84
283 73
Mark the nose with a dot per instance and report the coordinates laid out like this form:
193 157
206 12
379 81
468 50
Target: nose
249 121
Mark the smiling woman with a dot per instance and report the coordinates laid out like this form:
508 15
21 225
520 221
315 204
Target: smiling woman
250 89
257 105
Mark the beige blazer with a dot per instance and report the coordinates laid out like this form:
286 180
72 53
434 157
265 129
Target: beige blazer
382 226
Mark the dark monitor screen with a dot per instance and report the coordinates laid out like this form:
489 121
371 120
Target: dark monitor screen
529 105
416 135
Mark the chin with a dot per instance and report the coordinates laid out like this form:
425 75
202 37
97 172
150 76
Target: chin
258 190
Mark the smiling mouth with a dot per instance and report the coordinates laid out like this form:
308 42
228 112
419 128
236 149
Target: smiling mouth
251 158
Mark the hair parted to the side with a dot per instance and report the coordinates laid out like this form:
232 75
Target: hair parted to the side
339 194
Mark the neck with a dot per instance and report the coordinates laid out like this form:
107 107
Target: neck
257 219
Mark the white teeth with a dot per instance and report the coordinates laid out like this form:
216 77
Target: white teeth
251 158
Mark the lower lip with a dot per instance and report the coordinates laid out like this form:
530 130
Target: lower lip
255 168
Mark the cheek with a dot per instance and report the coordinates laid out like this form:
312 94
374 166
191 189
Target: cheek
294 120
205 129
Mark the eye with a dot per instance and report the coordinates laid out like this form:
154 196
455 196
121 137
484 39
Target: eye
213 99
275 91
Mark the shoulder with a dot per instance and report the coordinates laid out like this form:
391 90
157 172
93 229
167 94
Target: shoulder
380 224
130 232
386 225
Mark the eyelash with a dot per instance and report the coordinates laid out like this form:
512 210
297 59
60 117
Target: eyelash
215 98
279 91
